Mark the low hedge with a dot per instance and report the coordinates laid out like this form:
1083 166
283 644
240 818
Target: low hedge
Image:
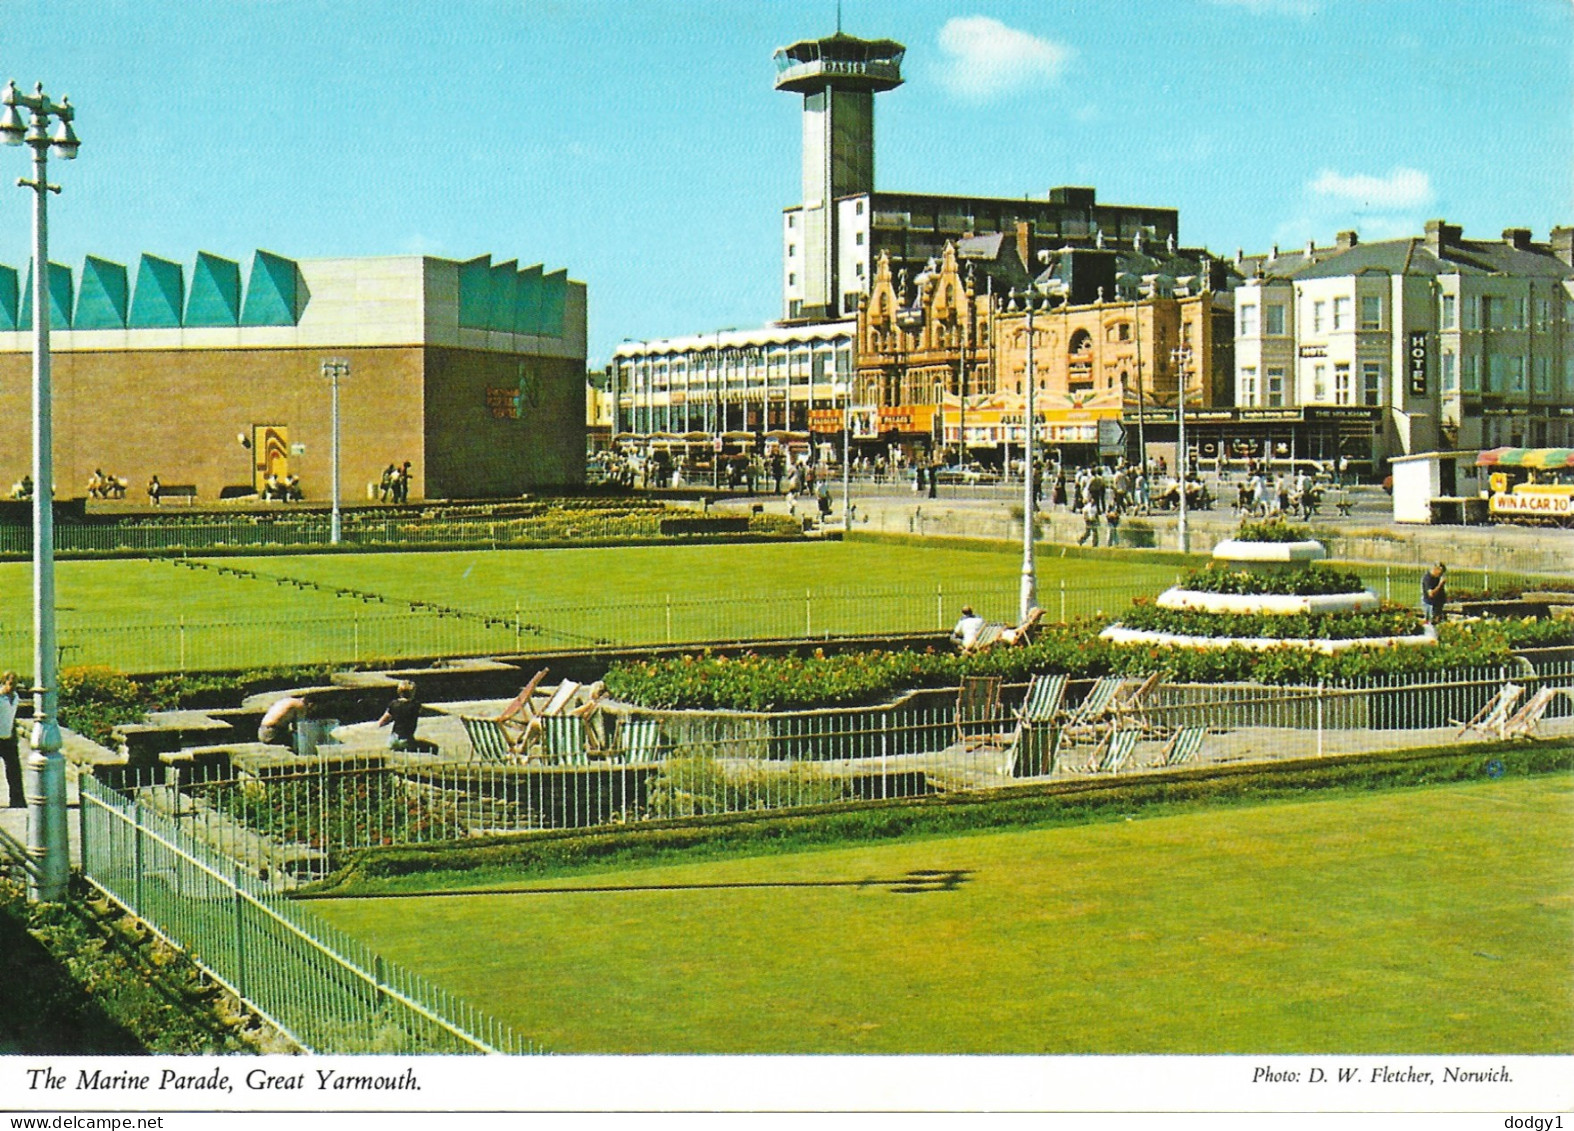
1058 803
1272 530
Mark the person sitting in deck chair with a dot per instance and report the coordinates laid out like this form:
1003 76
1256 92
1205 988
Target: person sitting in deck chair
985 634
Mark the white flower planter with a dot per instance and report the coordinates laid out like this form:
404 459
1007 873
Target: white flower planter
1277 603
1269 553
1119 634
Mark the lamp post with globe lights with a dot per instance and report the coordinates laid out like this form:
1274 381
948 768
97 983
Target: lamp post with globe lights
47 845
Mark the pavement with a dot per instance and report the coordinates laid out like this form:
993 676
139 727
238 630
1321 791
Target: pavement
1366 534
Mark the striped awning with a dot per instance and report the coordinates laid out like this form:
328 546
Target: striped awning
1527 457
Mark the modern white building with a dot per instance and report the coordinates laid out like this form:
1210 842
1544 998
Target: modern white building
1457 343
770 379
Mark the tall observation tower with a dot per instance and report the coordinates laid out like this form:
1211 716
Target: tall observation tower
838 77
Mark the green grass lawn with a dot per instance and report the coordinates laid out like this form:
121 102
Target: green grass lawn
128 613
1427 921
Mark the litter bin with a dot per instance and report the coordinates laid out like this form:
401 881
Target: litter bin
312 733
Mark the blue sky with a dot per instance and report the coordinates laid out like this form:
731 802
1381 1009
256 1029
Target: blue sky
639 143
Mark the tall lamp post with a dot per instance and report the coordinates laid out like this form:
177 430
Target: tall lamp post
1029 571
46 816
333 369
1181 355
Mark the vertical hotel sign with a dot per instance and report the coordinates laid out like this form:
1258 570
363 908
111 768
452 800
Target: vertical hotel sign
1415 353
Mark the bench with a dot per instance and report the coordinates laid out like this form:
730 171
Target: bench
186 491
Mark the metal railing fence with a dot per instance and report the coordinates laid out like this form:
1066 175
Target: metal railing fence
324 989
292 825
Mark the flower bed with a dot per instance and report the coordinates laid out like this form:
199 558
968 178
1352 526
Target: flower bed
1389 622
1314 581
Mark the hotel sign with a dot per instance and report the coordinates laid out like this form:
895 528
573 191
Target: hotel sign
1415 355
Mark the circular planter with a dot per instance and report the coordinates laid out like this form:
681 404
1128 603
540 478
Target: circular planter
1279 603
1119 634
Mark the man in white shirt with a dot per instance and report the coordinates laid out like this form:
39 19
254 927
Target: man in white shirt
965 634
9 754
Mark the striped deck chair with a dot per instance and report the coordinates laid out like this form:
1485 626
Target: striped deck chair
1114 751
1033 746
1524 721
639 739
488 739
565 740
977 710
1182 746
1131 702
1095 706
1493 718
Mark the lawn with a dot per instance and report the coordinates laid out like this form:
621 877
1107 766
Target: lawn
1426 921
155 615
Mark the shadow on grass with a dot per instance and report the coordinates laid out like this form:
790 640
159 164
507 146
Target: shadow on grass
916 882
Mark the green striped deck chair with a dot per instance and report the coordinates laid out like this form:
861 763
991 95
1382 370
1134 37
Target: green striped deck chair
487 739
564 740
1182 746
1042 702
1096 704
639 740
1115 751
1034 745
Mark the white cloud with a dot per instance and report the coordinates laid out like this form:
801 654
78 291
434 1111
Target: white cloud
987 60
1401 188
1273 7
1378 207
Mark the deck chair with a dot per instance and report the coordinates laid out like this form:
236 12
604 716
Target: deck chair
1523 723
566 740
977 707
1036 739
517 718
1095 706
1493 718
639 740
488 739
1113 751
1182 746
1131 702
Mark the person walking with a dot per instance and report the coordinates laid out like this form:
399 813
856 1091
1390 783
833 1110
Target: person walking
1434 593
9 752
1090 523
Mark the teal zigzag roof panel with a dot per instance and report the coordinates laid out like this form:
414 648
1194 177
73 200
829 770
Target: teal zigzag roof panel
475 293
554 301
103 298
527 300
215 292
160 296
59 299
274 294
10 310
505 283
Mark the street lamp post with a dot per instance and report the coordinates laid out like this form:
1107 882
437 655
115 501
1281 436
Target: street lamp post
333 369
1181 355
47 843
1029 571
